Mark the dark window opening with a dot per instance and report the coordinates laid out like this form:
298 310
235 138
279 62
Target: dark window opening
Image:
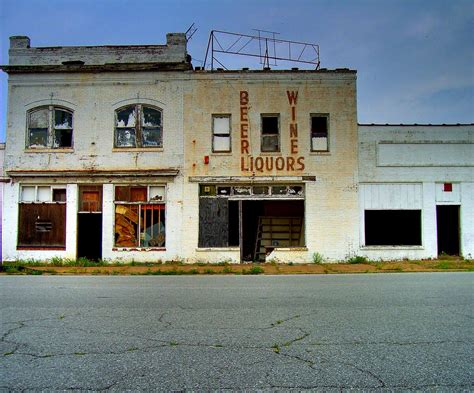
270 134
319 133
393 227
59 195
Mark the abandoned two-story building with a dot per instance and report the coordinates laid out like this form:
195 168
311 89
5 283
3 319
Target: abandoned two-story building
128 153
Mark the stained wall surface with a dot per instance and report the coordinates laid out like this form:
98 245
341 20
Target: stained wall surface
407 167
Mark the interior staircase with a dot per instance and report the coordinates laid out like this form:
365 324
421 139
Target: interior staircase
273 232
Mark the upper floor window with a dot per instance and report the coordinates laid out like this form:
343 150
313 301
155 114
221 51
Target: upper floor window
319 133
221 133
50 127
138 126
270 133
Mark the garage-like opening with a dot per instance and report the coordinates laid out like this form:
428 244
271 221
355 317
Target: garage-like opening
447 220
393 227
256 218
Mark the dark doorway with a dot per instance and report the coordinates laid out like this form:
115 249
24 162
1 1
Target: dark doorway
89 222
268 224
447 219
89 236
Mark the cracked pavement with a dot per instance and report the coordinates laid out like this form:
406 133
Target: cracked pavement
267 333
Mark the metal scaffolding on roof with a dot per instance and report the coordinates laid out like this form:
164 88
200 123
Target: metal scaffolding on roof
265 46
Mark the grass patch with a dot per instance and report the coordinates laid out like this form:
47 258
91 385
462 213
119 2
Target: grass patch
356 259
253 270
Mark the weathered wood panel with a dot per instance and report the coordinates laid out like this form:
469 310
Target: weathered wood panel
213 222
42 225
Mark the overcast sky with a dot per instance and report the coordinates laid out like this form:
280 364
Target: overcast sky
414 58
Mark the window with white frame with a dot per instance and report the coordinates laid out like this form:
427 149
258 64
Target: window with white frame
138 126
140 216
50 127
221 133
270 141
42 217
319 132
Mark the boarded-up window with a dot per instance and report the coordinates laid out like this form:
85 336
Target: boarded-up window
213 222
50 127
42 225
140 216
138 126
90 198
319 133
393 227
221 141
270 133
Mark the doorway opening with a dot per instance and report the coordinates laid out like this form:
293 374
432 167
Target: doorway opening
89 223
269 224
447 220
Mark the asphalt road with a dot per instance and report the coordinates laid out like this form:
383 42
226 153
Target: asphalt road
325 332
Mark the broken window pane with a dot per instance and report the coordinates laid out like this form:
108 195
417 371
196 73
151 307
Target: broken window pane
126 117
28 193
319 133
295 190
157 193
59 195
279 190
38 137
153 222
62 119
151 117
260 190
242 190
62 138
269 125
223 191
126 137
151 137
126 225
50 127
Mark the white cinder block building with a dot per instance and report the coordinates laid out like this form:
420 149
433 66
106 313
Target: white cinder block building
127 153
416 190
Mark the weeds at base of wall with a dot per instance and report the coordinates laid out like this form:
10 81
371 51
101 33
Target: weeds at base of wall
356 259
318 258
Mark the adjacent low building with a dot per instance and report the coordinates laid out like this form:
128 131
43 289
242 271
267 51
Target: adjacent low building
128 153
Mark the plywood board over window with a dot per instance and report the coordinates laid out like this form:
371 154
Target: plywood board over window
42 217
42 225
